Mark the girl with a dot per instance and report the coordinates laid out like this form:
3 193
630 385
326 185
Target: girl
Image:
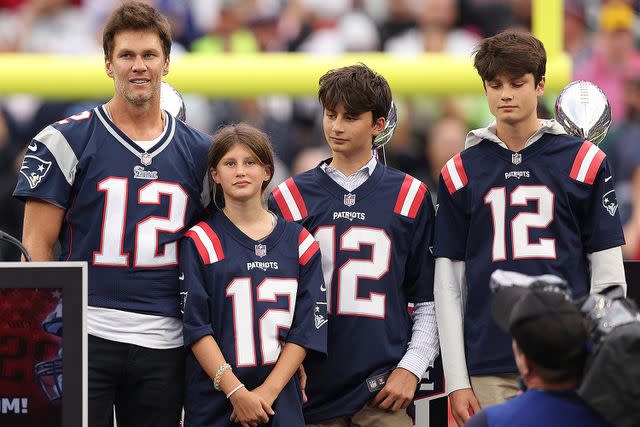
253 295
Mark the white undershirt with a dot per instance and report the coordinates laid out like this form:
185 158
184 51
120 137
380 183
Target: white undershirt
144 330
146 145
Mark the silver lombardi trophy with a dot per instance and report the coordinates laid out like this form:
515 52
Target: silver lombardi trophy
583 110
385 136
171 101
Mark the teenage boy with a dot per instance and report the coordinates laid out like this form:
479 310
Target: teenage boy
522 196
374 226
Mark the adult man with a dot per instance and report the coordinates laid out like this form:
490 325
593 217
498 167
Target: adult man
116 186
550 347
522 196
373 224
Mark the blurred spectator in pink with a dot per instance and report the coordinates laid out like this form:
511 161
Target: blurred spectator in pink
615 57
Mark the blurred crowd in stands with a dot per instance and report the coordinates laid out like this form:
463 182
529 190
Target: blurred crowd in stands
601 36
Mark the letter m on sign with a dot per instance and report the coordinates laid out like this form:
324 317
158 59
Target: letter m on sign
10 405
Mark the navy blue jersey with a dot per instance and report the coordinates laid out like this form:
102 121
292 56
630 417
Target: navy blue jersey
539 211
375 254
250 296
125 208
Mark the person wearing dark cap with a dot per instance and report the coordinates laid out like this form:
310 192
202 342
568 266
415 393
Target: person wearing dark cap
550 345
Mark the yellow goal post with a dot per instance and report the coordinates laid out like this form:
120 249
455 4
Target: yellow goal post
294 74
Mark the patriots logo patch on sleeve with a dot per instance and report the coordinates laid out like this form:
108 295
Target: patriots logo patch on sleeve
34 169
610 202
183 300
320 314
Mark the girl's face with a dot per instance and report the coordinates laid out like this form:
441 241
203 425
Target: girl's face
240 174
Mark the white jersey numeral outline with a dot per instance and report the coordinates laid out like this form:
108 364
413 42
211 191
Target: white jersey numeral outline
146 251
522 248
348 303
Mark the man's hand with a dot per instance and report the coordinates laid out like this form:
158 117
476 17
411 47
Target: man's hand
463 405
397 392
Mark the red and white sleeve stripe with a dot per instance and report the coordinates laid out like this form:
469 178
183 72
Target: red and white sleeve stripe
587 163
410 197
307 247
290 201
207 243
454 175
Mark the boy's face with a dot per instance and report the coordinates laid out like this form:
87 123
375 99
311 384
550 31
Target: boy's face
513 100
350 134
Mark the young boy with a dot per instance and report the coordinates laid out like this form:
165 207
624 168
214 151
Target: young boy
374 226
522 196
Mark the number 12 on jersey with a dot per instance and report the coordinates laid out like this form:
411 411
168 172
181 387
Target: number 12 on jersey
520 225
269 324
114 218
348 303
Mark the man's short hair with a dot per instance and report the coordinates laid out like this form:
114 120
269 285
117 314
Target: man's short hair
136 16
546 325
511 53
358 88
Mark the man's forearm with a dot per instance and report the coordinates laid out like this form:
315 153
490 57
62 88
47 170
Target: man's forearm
42 224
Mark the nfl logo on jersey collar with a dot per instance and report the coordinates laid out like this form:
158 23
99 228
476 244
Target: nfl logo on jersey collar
261 250
145 159
349 199
516 158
